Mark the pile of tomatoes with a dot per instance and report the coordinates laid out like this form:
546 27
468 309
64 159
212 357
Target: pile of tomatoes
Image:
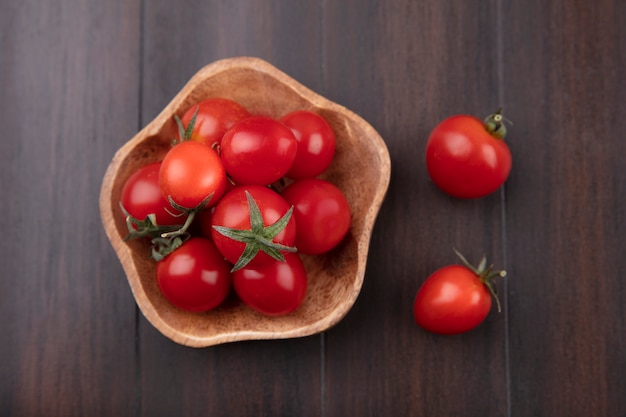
234 203
237 199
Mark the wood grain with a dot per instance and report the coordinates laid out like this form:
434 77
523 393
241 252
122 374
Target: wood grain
69 97
80 77
564 66
378 362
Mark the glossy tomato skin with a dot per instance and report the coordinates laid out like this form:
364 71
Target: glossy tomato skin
214 117
141 196
452 300
195 277
322 214
275 288
258 150
316 143
190 172
232 211
464 160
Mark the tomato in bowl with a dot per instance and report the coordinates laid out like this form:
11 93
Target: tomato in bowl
334 278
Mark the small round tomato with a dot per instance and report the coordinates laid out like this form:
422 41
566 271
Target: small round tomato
275 288
316 143
455 298
195 276
141 196
190 173
213 117
252 225
258 150
467 157
322 214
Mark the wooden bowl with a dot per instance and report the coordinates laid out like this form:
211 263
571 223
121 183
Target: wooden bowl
361 168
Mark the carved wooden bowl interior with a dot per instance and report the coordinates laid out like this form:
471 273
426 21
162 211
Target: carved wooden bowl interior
361 169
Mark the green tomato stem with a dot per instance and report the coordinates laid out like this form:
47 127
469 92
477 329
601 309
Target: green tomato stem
259 237
494 123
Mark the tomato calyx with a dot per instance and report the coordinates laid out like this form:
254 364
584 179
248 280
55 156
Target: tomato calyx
164 239
144 228
486 275
184 133
163 246
258 237
494 123
168 241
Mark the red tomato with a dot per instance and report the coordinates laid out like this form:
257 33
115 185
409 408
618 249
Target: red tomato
455 298
258 150
274 289
190 172
195 276
322 214
233 212
316 143
214 117
141 196
468 158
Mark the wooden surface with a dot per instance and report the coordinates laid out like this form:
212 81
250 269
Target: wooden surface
78 78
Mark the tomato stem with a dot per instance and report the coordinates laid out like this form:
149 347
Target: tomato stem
184 134
486 275
259 237
144 228
183 229
165 239
169 241
494 123
162 246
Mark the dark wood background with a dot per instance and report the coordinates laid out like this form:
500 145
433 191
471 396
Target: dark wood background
78 78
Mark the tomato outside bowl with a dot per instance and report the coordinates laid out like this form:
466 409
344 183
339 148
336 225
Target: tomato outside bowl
361 168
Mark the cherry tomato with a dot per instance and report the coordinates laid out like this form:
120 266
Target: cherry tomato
190 173
195 276
322 214
316 143
234 212
455 298
468 158
258 150
214 117
141 196
275 288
